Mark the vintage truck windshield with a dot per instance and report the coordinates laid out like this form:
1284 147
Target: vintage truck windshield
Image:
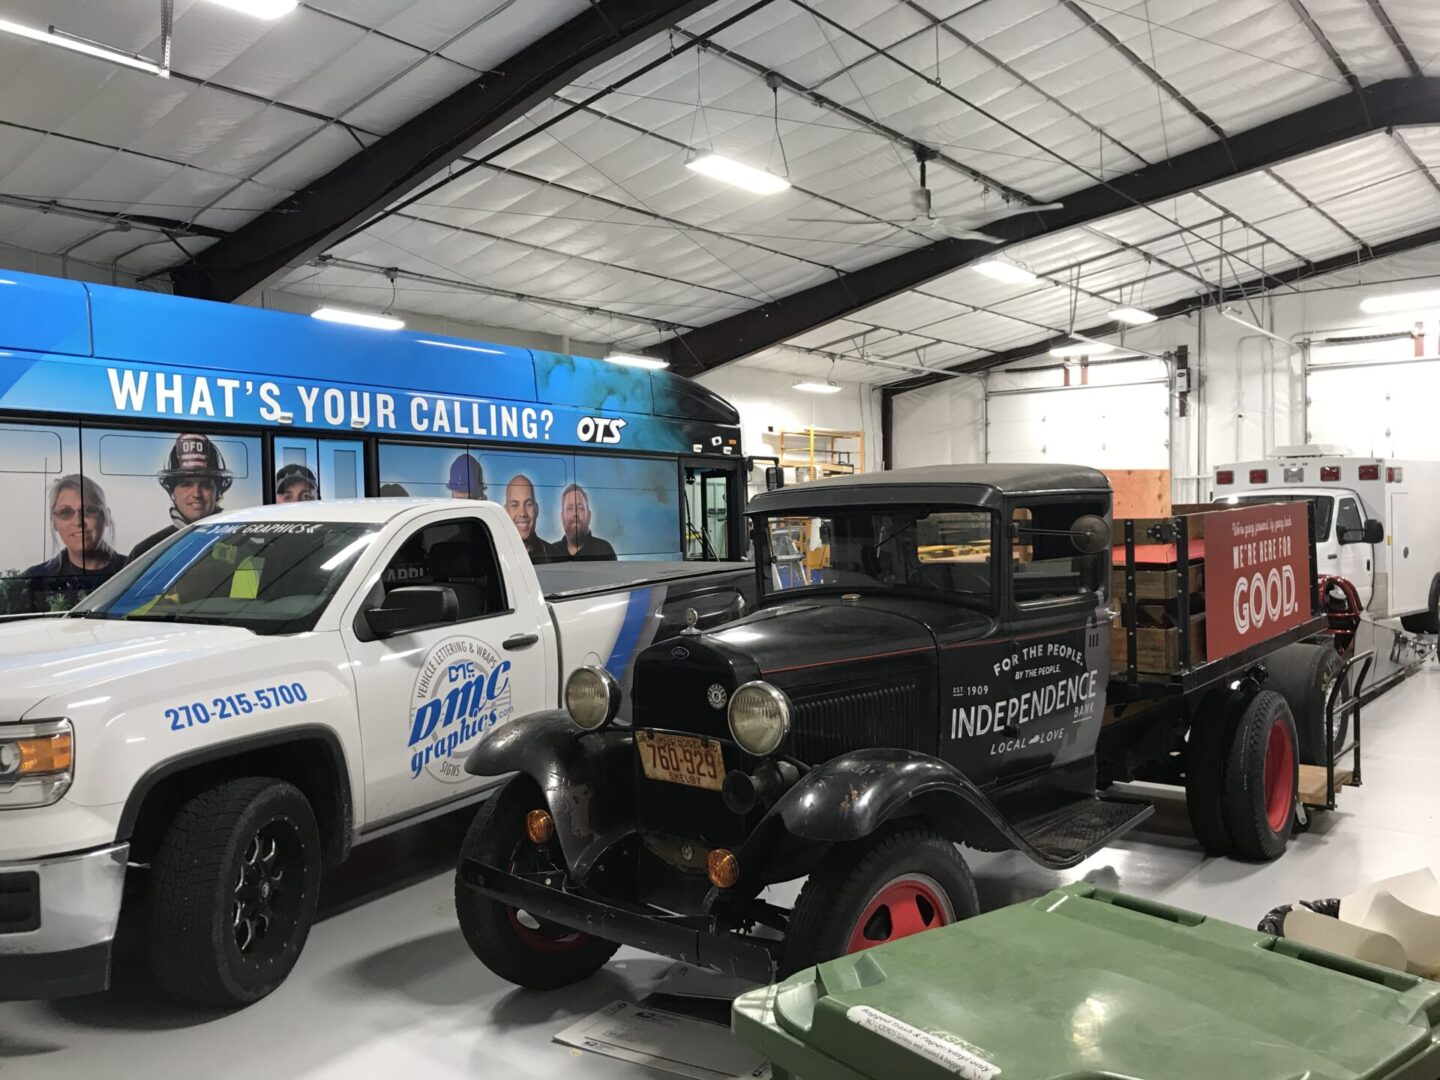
272 577
941 552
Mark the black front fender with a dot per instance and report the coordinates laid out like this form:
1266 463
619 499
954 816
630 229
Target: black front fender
587 779
852 796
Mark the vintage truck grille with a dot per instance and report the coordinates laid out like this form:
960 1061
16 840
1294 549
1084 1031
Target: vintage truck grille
832 724
677 698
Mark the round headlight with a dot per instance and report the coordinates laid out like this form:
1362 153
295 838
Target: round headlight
592 697
759 718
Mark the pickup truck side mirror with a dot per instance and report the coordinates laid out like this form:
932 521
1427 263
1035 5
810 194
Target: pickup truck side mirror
411 607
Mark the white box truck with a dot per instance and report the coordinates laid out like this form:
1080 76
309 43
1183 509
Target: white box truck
1377 522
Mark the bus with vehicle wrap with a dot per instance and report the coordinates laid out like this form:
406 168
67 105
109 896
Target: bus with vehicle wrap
126 415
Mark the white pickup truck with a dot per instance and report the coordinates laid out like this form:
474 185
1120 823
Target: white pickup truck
267 688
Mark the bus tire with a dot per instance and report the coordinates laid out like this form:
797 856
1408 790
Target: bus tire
1262 778
1205 760
1303 674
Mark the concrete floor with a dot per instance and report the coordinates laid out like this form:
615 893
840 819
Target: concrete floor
386 986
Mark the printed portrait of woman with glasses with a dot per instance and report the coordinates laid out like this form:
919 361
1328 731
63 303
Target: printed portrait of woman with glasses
81 521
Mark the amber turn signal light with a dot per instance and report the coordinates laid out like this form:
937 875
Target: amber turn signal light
723 868
43 754
539 826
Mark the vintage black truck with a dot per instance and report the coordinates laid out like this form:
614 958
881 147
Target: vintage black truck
933 671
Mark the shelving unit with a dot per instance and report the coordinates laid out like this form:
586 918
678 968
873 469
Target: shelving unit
815 453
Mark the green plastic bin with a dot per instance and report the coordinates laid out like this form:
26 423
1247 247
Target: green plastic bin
1086 983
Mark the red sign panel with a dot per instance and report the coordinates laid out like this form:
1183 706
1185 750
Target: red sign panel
1257 575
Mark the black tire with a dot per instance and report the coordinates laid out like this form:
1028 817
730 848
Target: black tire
511 943
232 892
1426 622
1302 674
1211 729
853 877
1262 777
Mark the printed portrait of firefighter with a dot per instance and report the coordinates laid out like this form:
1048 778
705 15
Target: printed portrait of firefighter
196 479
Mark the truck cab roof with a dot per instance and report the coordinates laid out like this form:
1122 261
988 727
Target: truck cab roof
978 485
363 511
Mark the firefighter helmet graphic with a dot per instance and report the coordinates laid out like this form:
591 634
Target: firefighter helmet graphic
195 457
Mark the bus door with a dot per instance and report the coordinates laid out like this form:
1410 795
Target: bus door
711 511
318 468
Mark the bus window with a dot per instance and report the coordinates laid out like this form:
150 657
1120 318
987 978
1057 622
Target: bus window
48 541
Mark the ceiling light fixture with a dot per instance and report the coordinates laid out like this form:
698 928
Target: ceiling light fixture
1415 301
1240 320
1084 347
1133 316
650 363
728 171
826 387
358 318
260 9
1008 272
52 36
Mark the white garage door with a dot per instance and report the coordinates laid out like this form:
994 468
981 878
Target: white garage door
1388 411
1105 427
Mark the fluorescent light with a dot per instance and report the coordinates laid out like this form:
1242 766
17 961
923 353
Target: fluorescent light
1381 305
1004 271
1133 316
358 318
1235 317
636 360
1083 348
726 170
80 45
261 9
817 387
456 345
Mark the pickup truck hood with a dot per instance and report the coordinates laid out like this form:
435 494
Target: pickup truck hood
70 658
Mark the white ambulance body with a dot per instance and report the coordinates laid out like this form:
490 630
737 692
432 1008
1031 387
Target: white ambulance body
1396 575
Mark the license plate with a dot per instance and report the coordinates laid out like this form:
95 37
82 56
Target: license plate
681 759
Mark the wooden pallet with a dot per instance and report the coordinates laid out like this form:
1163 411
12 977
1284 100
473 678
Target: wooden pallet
1312 783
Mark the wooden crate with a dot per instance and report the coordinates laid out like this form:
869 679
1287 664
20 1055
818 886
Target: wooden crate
1157 584
1139 492
1157 649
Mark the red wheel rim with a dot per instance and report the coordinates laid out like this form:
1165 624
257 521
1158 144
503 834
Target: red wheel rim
542 940
1279 776
908 905
539 937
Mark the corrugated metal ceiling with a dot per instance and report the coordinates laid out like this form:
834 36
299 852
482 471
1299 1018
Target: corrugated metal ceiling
594 228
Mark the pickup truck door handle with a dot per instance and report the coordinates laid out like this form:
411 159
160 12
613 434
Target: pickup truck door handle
520 641
1332 557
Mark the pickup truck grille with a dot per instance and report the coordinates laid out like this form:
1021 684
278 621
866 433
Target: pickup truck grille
832 724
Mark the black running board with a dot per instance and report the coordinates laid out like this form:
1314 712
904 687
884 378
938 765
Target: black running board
1072 834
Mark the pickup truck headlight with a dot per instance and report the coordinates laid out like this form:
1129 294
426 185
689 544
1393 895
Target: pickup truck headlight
759 718
37 763
592 697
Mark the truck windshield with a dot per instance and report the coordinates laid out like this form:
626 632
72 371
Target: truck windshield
269 577
1324 508
942 553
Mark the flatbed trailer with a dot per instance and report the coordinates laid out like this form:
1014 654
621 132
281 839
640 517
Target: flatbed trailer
1158 718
